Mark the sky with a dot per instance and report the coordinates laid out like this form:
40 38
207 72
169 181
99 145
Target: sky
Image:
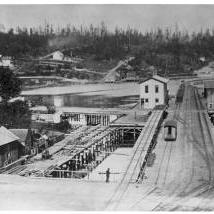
141 17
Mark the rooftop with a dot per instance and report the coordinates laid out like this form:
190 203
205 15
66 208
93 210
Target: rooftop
162 79
6 136
110 111
158 78
113 89
20 133
133 118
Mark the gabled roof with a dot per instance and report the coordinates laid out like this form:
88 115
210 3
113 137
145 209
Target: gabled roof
157 78
6 136
162 79
21 134
58 52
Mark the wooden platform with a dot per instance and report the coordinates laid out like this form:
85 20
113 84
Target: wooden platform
66 150
137 157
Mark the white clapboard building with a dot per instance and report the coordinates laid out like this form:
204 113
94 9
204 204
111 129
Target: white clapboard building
153 91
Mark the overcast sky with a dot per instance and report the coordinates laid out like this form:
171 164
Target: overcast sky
142 17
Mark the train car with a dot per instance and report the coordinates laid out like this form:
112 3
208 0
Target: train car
180 94
170 130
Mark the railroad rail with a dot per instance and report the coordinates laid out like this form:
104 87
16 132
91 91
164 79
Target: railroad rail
140 151
207 136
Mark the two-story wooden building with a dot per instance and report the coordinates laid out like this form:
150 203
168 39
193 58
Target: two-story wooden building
153 91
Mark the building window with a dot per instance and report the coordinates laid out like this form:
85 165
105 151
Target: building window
157 100
146 100
146 89
156 89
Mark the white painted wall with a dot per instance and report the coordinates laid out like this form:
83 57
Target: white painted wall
58 101
152 95
57 117
58 55
51 118
81 121
113 117
6 63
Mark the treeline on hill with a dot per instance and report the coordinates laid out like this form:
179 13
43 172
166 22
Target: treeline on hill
168 50
23 43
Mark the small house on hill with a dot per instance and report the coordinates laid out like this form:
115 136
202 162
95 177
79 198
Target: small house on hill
6 61
153 91
57 55
10 147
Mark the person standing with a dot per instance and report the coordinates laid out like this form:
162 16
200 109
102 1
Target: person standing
107 175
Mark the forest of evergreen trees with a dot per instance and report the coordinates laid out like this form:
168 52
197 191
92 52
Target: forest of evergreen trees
166 49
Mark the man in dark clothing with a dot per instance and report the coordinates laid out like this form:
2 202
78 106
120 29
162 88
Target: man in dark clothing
107 175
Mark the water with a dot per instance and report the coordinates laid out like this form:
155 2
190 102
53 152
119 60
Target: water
95 101
89 95
106 95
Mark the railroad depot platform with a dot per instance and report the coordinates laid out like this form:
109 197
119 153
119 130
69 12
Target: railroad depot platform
73 152
116 162
88 150
133 116
138 157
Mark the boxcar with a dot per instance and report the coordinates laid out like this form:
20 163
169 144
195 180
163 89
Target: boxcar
170 130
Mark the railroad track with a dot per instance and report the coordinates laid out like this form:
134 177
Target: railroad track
168 160
206 135
187 146
181 174
194 117
146 137
200 118
161 164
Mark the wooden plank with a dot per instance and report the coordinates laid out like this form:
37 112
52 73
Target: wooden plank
138 154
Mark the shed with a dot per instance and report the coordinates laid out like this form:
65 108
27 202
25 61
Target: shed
6 136
25 138
21 134
10 147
